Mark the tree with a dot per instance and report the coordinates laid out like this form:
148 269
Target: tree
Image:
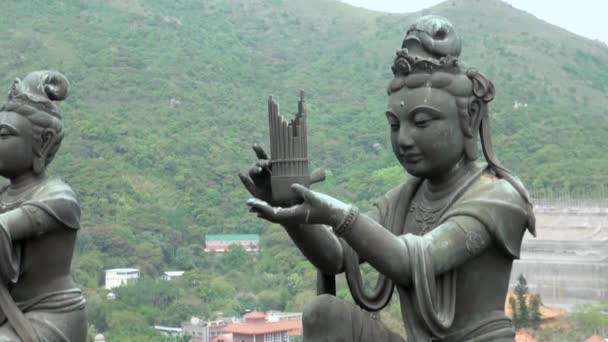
535 317
235 258
521 290
525 306
514 310
592 317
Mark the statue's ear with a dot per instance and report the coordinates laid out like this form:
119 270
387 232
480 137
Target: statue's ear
47 141
469 123
483 94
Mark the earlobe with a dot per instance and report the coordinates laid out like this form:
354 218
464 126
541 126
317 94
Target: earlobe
470 148
39 164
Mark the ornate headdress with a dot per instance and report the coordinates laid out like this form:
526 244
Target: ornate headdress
39 89
429 44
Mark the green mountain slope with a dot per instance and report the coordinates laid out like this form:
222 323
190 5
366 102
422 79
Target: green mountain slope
155 174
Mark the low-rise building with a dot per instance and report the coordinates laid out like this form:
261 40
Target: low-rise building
221 242
256 328
117 277
168 331
196 329
170 275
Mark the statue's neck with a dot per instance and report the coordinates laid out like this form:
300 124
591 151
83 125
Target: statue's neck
439 187
24 182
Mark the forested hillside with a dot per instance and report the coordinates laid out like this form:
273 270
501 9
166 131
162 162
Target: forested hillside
168 96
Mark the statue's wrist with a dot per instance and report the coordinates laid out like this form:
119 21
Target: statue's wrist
346 224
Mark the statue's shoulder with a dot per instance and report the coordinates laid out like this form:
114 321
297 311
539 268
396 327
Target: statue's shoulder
489 187
57 198
498 206
54 188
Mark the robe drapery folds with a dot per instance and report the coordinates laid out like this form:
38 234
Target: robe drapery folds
428 304
58 200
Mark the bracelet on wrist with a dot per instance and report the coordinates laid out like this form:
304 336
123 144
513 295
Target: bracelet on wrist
346 225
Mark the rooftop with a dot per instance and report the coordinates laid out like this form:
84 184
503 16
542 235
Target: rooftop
255 315
523 336
123 270
264 327
232 237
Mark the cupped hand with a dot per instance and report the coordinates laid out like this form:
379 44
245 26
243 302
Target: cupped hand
316 208
257 179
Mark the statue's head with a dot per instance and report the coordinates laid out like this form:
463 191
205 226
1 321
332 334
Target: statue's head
438 109
435 106
31 125
435 119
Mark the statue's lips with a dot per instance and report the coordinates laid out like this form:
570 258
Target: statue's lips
412 158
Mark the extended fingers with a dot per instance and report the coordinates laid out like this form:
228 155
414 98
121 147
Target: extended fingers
259 152
277 214
263 209
248 183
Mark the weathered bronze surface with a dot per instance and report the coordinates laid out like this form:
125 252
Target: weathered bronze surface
445 239
39 218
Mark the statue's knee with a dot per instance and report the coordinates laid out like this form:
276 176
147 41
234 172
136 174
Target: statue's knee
320 311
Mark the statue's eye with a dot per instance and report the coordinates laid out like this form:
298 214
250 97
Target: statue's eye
6 132
441 34
392 121
422 119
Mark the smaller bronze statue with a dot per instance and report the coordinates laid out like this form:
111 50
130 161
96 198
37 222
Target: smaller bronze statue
39 219
446 239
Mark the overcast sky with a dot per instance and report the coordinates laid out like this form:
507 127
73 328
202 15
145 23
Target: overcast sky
583 17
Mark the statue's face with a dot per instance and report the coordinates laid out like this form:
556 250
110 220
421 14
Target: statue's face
16 145
425 131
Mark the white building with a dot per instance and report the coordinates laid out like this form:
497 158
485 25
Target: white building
170 275
168 331
117 277
277 316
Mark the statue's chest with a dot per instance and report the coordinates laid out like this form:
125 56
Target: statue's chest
424 215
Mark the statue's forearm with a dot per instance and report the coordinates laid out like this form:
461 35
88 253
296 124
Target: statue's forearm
319 245
448 245
380 248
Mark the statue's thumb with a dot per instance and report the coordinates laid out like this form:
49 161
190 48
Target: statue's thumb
302 191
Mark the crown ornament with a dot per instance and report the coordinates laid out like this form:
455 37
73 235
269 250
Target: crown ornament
405 63
40 89
430 44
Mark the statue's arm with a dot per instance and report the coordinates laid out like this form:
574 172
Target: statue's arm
18 224
27 222
320 245
449 245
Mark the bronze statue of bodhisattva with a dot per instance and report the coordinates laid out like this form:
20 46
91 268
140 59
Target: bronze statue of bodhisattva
445 239
39 219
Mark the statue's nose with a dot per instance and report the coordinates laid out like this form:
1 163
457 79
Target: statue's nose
404 138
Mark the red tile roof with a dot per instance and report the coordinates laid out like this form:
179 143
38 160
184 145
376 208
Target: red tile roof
523 336
254 315
263 327
595 338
